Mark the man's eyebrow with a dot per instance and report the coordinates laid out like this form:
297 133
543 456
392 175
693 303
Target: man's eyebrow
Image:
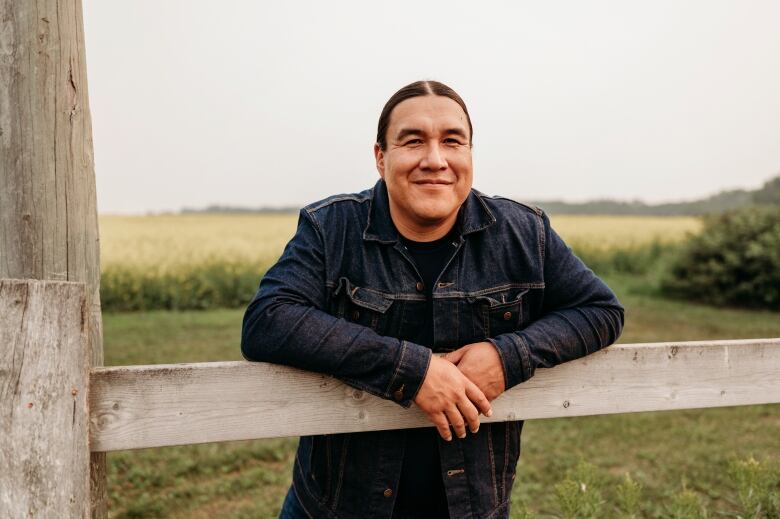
407 132
456 131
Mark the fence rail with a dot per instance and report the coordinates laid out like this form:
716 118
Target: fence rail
151 406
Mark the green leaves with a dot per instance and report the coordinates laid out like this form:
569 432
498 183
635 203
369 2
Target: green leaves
735 260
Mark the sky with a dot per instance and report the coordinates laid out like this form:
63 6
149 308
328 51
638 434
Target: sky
276 104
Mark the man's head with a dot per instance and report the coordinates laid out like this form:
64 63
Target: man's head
423 152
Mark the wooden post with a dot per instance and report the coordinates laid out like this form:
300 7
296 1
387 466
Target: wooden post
48 215
44 375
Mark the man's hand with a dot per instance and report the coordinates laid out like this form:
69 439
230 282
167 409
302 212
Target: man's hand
481 363
447 397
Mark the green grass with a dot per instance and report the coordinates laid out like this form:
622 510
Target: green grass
679 459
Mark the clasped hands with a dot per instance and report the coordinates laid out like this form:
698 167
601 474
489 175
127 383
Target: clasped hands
460 385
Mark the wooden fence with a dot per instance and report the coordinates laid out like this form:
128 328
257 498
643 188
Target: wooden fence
55 409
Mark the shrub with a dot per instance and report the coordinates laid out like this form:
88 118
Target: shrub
198 287
634 259
735 260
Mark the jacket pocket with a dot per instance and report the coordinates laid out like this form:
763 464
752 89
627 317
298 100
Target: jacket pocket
361 305
498 310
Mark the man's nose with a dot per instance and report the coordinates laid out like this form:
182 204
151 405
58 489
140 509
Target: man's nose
434 159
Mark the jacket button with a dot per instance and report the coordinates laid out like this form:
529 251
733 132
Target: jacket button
388 492
398 394
507 316
355 315
419 286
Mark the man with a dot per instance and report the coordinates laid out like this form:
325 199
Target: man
373 283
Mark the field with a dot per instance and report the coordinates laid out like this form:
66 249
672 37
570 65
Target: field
166 242
203 261
687 463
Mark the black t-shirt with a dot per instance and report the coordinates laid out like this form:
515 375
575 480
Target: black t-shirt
421 490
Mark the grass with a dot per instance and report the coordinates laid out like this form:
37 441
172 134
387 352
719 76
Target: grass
677 459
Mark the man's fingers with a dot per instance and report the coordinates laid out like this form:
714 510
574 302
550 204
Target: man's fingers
470 413
478 398
455 356
442 425
457 422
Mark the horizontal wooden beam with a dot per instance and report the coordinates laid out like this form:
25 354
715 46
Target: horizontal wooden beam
152 406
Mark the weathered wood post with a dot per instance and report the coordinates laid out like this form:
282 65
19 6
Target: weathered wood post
44 420
48 215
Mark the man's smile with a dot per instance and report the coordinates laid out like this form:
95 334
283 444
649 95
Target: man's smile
431 182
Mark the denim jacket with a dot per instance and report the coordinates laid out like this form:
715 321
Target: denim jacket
345 297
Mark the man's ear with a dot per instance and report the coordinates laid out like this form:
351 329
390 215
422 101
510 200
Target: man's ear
379 157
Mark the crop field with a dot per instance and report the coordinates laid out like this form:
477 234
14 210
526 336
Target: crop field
167 242
206 261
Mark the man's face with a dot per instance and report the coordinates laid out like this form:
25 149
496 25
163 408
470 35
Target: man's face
427 164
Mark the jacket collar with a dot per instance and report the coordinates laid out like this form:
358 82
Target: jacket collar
474 216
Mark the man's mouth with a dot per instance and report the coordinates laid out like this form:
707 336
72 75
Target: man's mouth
433 182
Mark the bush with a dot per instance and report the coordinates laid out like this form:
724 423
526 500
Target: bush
215 284
735 260
636 259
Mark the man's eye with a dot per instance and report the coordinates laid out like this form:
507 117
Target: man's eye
414 141
452 141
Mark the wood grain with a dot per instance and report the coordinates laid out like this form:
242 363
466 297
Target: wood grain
48 215
149 406
44 376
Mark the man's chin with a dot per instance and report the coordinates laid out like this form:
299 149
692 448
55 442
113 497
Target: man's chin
435 217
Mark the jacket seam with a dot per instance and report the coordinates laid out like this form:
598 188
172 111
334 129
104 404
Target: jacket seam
332 200
532 208
397 367
342 466
492 465
506 460
305 510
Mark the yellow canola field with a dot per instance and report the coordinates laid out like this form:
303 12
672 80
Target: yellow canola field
622 232
164 242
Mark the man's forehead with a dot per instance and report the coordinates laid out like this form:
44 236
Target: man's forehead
427 114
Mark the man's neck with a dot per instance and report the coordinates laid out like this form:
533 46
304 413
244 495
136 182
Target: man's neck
424 233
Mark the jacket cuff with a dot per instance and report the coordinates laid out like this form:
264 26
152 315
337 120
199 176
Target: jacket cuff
409 373
515 358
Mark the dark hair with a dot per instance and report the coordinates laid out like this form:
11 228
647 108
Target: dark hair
416 89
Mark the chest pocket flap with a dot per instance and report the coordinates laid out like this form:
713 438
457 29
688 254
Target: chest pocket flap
362 305
499 310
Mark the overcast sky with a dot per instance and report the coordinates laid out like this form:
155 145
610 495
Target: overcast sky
275 104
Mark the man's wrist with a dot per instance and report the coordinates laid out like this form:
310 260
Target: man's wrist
511 359
410 373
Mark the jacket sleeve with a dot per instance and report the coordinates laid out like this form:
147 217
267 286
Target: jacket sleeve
580 315
287 323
